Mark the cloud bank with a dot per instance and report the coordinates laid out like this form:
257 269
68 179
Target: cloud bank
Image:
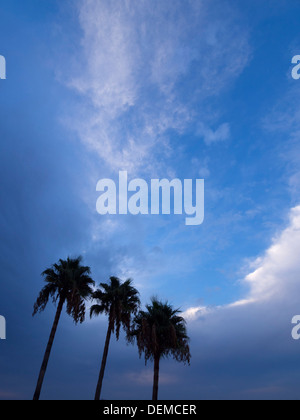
275 274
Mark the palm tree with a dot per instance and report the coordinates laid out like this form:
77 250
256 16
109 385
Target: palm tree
66 282
119 301
160 333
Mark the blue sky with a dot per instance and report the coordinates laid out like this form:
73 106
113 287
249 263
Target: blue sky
187 89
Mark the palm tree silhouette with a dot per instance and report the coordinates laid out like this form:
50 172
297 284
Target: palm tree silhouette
160 333
67 281
119 301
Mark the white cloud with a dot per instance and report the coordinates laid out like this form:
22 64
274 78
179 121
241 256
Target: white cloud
197 312
277 272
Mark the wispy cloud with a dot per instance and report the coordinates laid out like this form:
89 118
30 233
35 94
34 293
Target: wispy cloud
283 122
210 136
139 53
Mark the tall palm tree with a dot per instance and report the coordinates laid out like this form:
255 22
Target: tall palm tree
160 332
66 282
119 301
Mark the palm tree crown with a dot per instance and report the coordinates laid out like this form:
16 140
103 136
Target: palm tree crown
70 282
119 301
160 331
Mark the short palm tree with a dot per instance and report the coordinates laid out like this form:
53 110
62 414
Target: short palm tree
160 332
119 301
66 282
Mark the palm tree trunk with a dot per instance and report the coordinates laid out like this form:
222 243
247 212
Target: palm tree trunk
103 364
48 351
156 378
